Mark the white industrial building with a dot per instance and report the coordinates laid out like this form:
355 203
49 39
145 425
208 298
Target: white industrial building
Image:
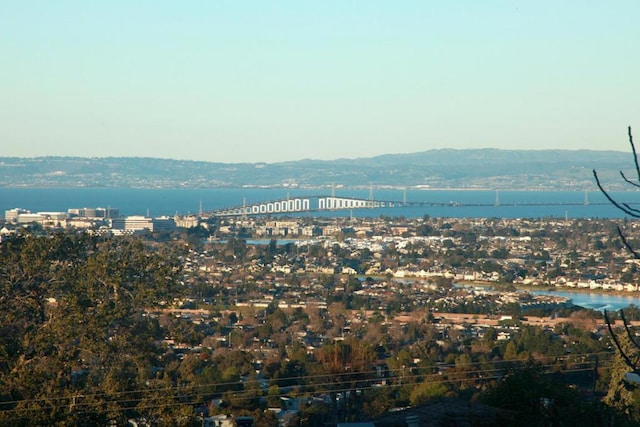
11 215
137 223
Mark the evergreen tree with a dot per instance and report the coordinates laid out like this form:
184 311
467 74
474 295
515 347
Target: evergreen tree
623 394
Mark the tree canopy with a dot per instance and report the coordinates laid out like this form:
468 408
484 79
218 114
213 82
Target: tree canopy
75 343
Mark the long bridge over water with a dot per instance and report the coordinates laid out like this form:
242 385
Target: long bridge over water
303 204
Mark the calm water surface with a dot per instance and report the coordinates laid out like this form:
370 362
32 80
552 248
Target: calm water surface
157 202
596 301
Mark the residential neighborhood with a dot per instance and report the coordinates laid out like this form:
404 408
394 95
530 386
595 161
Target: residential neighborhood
264 302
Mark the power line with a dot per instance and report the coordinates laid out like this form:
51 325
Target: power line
554 359
310 388
338 375
243 395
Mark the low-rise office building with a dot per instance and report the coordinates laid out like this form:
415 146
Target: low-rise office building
137 223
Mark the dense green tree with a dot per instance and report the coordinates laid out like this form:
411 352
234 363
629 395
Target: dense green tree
73 335
427 391
623 395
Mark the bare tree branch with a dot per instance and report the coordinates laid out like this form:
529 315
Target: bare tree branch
614 337
635 184
635 253
633 149
620 206
635 213
626 327
635 159
626 205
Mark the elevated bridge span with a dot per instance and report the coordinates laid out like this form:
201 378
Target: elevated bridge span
331 203
299 204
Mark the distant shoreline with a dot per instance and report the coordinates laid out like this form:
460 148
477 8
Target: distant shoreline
431 170
476 203
302 188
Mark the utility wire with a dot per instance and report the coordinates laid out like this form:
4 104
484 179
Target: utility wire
305 378
239 396
314 388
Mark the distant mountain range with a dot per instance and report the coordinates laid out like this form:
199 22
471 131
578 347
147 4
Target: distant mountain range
446 168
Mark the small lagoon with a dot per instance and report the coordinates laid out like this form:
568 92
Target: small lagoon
596 301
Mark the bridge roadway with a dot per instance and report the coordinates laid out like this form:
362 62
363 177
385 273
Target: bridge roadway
332 203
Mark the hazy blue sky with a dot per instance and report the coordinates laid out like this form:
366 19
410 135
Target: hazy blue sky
234 81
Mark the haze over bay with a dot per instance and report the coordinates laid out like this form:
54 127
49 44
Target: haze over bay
434 169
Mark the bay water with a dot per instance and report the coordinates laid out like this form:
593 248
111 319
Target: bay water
455 203
596 300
